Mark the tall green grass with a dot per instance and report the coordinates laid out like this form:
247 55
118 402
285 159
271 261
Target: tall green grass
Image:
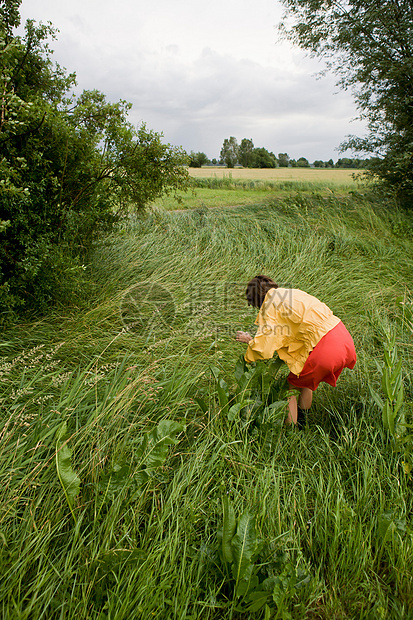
216 191
332 500
228 182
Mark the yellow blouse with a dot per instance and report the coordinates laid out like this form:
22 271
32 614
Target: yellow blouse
291 323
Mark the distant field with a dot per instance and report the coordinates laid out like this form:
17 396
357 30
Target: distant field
218 187
277 174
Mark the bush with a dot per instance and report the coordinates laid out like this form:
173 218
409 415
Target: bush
71 167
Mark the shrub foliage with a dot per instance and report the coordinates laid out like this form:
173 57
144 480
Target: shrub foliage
70 166
369 45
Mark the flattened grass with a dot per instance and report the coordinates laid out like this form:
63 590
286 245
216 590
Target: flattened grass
332 498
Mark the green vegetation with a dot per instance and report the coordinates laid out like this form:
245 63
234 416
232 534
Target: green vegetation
146 469
70 167
147 473
245 154
369 46
197 160
228 190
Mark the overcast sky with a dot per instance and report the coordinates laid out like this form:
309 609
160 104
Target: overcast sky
201 72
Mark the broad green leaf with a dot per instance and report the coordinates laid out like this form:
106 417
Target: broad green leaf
234 411
390 418
385 384
386 415
240 368
248 582
396 375
377 398
257 599
388 526
114 483
222 390
244 545
274 364
155 445
151 453
246 380
277 405
215 371
399 399
229 525
387 358
69 480
202 404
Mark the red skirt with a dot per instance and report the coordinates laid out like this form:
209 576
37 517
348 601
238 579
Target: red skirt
326 361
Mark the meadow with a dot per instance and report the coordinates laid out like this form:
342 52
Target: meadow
341 176
146 472
218 186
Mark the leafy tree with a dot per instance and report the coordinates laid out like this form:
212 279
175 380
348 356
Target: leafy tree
229 152
319 164
369 45
261 158
197 160
245 153
302 162
70 167
347 162
283 160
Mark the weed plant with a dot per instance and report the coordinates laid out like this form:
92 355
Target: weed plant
331 506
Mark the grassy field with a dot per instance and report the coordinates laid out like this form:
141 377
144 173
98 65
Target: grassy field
132 488
328 175
217 187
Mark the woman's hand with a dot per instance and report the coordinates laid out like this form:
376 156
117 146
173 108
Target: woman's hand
243 337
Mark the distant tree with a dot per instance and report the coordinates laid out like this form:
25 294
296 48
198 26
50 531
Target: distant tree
197 160
319 164
261 158
245 151
283 160
347 162
229 152
330 164
214 161
302 162
369 45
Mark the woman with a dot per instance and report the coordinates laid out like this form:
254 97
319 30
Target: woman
306 335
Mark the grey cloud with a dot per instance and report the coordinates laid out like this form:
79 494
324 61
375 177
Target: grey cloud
197 102
220 96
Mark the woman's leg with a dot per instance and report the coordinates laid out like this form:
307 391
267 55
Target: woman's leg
306 398
304 402
292 411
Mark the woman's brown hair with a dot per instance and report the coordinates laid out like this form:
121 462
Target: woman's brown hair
257 288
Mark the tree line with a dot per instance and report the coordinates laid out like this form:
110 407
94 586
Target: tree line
245 154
